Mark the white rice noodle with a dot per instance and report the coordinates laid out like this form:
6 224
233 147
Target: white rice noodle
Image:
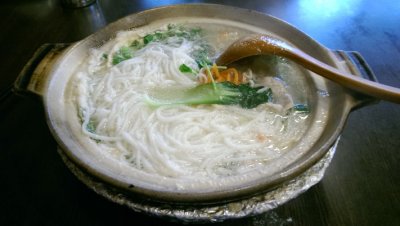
181 141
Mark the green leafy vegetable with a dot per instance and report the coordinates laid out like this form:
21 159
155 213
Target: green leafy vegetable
137 44
124 53
181 32
224 93
147 39
185 69
251 97
173 30
201 55
302 108
91 127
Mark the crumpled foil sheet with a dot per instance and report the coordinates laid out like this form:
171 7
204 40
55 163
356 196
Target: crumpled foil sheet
237 209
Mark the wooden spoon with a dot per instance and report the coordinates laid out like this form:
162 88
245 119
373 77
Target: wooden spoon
264 44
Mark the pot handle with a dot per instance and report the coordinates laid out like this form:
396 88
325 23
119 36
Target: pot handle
33 77
357 66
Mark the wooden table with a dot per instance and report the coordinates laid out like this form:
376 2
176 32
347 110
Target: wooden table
361 186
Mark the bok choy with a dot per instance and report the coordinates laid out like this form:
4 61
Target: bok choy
224 93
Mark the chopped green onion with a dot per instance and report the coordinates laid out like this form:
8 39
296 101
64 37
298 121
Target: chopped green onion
148 38
122 54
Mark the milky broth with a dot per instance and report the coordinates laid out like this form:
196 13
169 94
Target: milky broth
188 147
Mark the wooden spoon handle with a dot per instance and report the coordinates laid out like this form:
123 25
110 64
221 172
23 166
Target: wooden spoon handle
264 44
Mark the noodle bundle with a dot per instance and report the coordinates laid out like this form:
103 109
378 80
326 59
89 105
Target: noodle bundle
178 141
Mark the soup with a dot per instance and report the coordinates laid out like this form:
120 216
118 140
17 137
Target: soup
152 102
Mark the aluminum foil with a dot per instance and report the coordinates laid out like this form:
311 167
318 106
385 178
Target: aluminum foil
256 205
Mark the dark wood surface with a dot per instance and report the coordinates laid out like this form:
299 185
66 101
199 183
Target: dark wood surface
361 186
